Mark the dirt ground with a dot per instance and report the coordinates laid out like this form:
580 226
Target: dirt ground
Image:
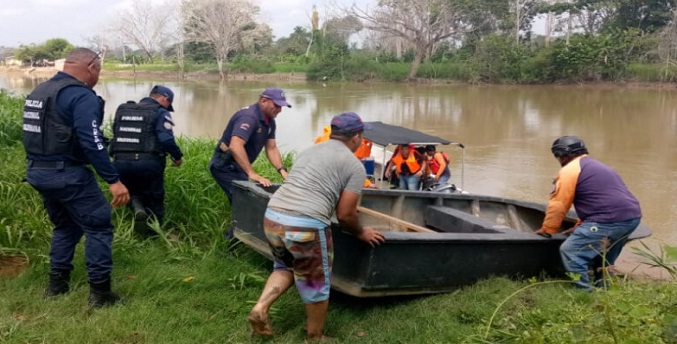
12 266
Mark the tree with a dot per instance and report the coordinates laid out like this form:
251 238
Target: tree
646 15
52 49
341 28
219 24
101 44
296 43
31 53
146 26
255 38
422 23
57 48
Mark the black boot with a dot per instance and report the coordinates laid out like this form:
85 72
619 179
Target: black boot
100 294
140 213
59 283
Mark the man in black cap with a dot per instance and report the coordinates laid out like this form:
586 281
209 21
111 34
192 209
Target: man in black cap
608 212
247 133
143 137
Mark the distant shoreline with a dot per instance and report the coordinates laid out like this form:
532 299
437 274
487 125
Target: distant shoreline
46 72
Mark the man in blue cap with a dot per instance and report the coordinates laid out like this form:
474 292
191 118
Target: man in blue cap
247 133
297 223
143 137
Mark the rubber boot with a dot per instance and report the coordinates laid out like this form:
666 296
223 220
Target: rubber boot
59 283
140 213
100 294
140 218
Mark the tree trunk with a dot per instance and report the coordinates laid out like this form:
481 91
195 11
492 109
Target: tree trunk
549 19
418 56
219 62
181 59
518 19
310 44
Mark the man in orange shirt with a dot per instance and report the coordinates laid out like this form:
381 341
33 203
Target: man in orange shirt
607 211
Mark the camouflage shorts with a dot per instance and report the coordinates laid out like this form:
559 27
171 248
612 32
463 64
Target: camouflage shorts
305 247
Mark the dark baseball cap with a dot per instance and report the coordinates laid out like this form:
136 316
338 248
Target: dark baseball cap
165 91
276 95
348 123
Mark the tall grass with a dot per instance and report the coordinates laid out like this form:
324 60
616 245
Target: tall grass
187 286
10 119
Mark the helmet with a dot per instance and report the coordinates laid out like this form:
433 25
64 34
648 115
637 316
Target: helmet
568 146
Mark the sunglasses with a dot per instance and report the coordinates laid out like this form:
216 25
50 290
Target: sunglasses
97 56
272 101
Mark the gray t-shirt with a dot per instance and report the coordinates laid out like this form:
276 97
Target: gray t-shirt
315 182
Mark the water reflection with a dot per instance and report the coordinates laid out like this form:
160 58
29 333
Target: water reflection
507 130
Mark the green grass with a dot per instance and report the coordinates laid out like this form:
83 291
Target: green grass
652 72
186 287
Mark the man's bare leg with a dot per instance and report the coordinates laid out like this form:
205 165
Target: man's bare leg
316 314
278 282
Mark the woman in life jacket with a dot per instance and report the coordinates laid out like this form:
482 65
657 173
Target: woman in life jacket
409 167
438 163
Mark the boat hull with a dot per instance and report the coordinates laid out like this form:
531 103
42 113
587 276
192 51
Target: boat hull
471 238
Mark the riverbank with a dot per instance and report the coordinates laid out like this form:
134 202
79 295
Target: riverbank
291 77
46 72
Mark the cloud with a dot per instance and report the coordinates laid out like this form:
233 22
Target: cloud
12 12
58 3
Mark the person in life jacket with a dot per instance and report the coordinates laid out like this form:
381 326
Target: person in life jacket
363 152
409 166
142 139
438 164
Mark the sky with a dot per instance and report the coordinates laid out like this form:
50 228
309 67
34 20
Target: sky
35 21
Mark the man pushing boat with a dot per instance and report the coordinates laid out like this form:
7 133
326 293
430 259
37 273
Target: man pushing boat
297 223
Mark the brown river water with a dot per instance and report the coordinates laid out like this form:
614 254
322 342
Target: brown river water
507 130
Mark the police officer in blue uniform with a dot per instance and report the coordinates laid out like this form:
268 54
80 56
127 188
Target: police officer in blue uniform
62 136
142 138
247 133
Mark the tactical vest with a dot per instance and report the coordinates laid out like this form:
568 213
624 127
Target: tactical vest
44 130
134 129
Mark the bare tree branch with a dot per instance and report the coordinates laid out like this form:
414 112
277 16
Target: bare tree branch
220 24
145 26
421 23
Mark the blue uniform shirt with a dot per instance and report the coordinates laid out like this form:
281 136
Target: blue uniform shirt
81 109
164 130
251 125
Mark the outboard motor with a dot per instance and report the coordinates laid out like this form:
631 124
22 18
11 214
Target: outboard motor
445 188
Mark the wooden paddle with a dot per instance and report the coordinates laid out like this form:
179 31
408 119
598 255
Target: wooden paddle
407 225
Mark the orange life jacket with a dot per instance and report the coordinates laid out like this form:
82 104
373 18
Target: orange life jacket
363 152
435 165
411 161
326 131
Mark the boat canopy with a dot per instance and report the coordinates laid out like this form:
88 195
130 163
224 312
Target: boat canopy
387 134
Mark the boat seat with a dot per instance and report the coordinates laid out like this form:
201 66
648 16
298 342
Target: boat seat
450 220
